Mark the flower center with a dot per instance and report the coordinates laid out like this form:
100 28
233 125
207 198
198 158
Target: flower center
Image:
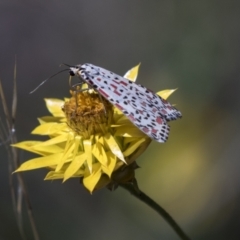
88 114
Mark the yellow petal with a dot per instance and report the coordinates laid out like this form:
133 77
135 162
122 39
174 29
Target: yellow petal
112 144
46 150
90 180
101 140
117 114
84 86
139 151
48 119
75 166
68 153
40 162
54 106
33 146
132 73
112 160
27 145
88 150
59 139
129 140
60 175
166 93
54 175
77 141
133 146
122 120
49 128
126 131
99 153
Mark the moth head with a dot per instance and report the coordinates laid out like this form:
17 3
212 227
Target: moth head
74 70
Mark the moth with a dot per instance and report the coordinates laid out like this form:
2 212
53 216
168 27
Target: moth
144 108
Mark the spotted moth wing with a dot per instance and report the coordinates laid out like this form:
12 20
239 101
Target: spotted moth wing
145 109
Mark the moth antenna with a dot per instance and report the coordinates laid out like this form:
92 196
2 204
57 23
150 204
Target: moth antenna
35 89
64 64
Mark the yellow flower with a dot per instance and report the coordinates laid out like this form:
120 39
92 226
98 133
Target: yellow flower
90 139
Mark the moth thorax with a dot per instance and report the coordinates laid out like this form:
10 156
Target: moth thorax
87 114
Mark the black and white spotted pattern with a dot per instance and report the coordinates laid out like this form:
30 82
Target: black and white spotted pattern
149 112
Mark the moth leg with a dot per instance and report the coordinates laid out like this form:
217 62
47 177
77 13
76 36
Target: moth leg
75 88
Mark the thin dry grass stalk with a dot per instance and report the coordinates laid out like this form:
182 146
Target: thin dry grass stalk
18 188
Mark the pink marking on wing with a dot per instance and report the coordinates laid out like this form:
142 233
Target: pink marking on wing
119 106
149 97
145 129
154 130
169 107
131 117
154 110
163 111
120 82
159 120
143 104
123 83
115 90
99 79
103 93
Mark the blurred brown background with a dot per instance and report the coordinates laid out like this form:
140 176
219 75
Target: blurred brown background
190 45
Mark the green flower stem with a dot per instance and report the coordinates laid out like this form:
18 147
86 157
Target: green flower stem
133 189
